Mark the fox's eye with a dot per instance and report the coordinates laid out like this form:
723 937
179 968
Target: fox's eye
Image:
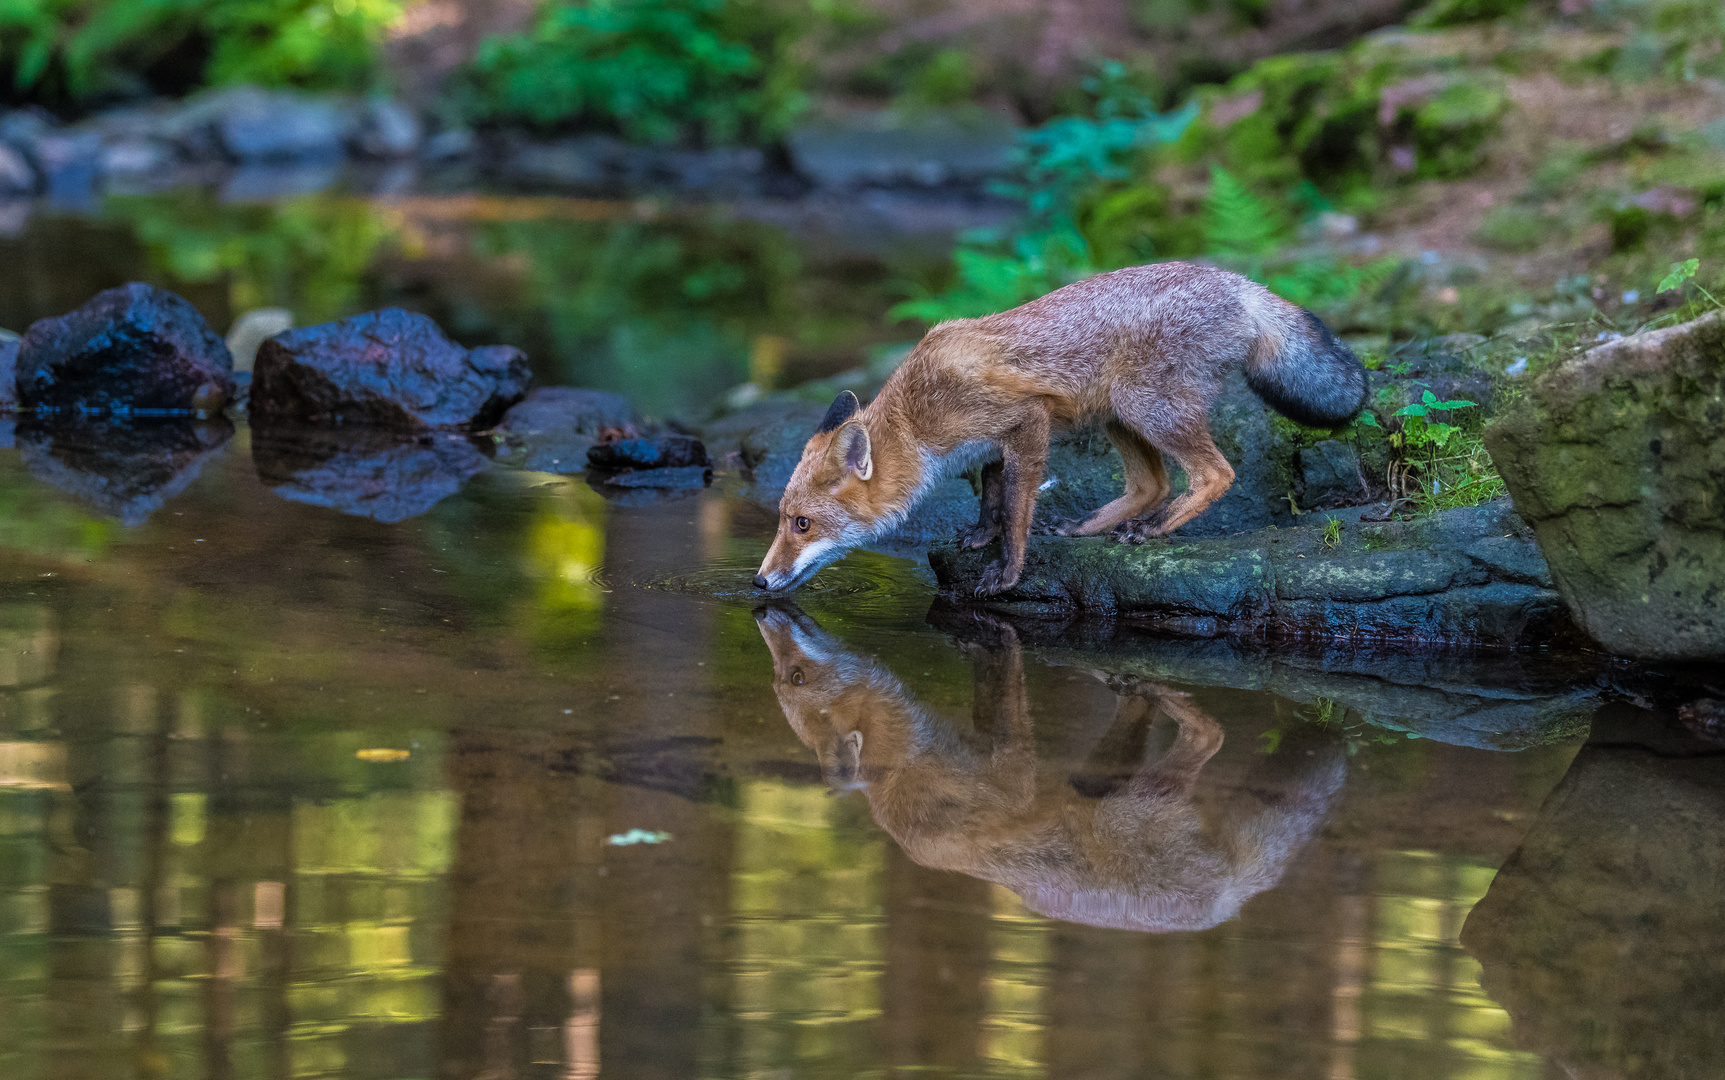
796 676
802 524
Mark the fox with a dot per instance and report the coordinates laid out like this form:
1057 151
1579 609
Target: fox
1109 846
1141 351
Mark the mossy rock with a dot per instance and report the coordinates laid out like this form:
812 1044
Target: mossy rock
1615 459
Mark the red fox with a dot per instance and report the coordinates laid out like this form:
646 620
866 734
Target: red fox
1108 846
1142 350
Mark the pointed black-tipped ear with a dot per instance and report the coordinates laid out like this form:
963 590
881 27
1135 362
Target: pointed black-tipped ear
844 407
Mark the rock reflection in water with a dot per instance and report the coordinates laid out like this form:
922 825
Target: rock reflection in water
125 469
1604 934
384 476
1120 843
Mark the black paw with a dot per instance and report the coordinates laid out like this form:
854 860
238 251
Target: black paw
1138 530
996 579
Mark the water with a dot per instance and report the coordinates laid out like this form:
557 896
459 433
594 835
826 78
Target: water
291 792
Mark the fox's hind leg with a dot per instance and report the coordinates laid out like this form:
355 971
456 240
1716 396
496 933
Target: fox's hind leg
1146 482
1208 476
993 507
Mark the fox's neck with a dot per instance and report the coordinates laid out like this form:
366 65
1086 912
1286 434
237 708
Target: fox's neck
900 465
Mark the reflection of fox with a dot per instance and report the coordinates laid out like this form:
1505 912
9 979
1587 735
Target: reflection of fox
1141 351
1127 851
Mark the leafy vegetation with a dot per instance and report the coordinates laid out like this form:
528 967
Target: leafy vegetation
72 52
710 71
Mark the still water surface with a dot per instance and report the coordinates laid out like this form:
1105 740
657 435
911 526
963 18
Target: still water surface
526 786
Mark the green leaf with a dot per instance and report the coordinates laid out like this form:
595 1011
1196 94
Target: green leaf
1680 272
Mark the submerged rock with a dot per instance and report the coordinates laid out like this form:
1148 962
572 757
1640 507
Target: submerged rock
380 475
1603 936
1614 458
668 462
131 349
552 429
1465 576
668 451
389 369
126 469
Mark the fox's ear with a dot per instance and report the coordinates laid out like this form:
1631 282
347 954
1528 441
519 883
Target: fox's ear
851 451
843 408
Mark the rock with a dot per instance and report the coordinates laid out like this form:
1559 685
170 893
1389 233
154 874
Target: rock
1614 458
388 368
70 162
261 125
381 475
250 330
1441 579
1493 700
579 162
454 143
880 150
126 469
670 476
16 175
8 374
136 157
1331 475
134 348
269 182
667 451
552 429
388 129
1603 935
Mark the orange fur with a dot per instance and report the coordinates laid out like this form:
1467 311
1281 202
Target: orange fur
1141 350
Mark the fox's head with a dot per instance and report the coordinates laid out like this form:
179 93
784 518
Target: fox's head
826 507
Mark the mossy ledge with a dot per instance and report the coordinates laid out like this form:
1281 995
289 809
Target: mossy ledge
1471 576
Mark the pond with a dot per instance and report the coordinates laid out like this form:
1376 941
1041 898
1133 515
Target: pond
526 783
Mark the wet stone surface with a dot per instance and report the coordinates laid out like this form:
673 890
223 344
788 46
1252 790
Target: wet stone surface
131 349
389 369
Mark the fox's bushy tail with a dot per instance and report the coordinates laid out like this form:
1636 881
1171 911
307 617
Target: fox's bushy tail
1300 369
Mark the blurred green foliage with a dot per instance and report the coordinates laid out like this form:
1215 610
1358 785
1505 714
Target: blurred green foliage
73 52
707 71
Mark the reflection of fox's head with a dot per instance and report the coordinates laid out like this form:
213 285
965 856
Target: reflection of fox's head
831 697
831 504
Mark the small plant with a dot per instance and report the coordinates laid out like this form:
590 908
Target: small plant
1434 465
1333 533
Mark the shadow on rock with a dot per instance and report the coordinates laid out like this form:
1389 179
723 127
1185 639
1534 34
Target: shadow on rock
384 476
1118 842
1492 699
124 469
1604 934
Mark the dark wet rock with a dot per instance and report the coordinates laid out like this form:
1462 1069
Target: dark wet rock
1331 476
1705 719
16 175
667 451
668 462
385 476
1603 936
134 348
1465 576
279 125
388 129
883 151
389 369
126 469
8 374
1492 699
1614 458
553 427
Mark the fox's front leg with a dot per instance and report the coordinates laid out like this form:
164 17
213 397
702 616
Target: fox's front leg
1024 460
988 517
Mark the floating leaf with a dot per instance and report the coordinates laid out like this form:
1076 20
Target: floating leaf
637 836
383 753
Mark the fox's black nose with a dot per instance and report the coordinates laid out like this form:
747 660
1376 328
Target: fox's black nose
760 581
